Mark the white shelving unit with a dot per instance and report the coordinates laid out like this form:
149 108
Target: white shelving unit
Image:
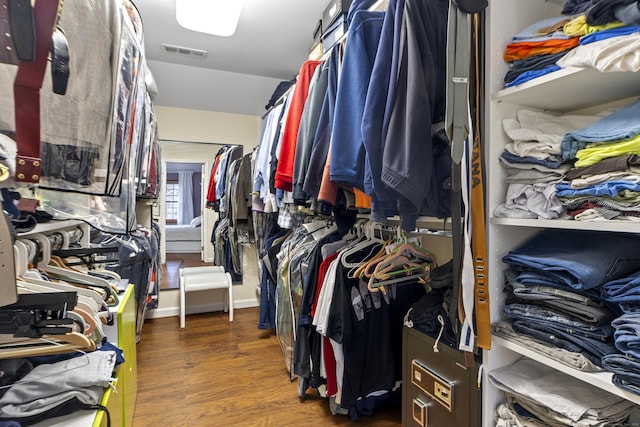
567 90
598 379
620 226
543 93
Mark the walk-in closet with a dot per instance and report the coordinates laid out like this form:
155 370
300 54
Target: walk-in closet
417 213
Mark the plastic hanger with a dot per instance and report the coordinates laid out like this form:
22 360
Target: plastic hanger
65 238
406 252
361 271
21 257
374 285
87 308
407 262
74 278
369 239
56 286
65 272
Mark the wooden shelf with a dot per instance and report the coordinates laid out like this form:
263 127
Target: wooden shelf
564 90
610 225
601 380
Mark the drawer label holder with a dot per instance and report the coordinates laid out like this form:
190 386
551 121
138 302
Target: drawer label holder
434 385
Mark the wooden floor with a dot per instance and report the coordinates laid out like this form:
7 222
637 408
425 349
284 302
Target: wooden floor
216 373
174 262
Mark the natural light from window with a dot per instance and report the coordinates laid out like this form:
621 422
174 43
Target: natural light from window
171 214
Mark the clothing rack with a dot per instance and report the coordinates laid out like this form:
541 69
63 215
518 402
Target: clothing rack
279 101
380 5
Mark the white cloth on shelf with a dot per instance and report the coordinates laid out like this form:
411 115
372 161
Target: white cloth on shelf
613 54
539 198
577 400
539 134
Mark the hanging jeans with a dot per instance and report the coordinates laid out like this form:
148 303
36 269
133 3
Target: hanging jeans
268 288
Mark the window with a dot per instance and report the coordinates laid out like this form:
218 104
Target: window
172 203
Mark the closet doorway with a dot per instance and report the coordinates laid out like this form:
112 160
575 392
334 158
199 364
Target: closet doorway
183 209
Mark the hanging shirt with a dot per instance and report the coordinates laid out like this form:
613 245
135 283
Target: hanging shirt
308 126
378 107
269 131
416 163
284 171
211 191
347 148
322 137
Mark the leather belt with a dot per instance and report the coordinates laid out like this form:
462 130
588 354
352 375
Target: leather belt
26 89
59 62
7 50
19 16
458 128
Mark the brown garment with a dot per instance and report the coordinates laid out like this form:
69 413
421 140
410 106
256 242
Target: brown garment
553 28
612 164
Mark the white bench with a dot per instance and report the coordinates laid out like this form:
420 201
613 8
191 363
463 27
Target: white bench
203 279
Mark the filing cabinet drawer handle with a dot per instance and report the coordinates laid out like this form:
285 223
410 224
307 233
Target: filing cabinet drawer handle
420 412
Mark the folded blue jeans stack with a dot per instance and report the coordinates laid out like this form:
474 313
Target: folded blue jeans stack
565 287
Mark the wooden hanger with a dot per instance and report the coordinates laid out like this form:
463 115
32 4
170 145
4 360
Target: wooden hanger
11 347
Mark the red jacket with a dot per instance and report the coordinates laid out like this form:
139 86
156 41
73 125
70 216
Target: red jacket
286 159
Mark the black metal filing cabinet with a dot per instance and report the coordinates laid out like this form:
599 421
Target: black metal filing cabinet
438 389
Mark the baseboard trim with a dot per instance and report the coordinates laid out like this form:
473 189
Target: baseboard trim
201 308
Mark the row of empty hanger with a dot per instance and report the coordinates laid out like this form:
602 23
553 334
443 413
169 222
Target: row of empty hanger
50 321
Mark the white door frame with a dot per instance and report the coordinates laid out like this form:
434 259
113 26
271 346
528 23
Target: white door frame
162 207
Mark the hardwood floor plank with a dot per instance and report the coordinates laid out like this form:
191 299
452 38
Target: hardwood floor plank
216 373
174 262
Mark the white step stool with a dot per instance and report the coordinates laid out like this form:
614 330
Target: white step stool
203 279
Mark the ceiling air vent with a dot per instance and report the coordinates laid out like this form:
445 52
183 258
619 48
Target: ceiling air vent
186 51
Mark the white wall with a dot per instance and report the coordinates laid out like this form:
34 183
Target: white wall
192 128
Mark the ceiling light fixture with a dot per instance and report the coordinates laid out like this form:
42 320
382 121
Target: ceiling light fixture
217 17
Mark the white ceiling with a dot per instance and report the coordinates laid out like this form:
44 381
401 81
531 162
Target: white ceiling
240 72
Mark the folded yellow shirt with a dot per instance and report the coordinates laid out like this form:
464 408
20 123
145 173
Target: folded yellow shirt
598 151
579 27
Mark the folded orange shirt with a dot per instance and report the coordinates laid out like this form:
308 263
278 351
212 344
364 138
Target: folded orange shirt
522 50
